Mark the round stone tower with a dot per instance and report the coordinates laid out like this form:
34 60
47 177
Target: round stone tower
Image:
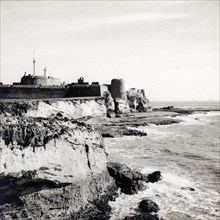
118 89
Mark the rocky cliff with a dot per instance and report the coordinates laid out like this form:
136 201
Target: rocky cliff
52 169
137 100
70 108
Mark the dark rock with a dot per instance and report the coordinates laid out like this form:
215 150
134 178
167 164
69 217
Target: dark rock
143 216
132 132
128 180
188 188
59 114
168 107
154 177
148 205
107 135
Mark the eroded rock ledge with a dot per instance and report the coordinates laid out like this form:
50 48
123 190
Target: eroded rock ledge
52 169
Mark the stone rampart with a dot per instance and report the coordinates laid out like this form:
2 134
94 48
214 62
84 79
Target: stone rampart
30 92
45 92
83 91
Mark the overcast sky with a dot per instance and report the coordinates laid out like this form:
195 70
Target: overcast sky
169 48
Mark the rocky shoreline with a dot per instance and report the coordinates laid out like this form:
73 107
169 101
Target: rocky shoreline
56 167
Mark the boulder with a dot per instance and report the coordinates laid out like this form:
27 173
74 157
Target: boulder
148 206
154 177
130 181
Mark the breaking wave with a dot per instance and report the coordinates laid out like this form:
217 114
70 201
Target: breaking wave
187 154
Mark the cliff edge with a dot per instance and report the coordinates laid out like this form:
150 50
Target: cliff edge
51 168
70 108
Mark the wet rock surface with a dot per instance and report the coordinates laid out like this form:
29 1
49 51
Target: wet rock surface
148 205
145 211
154 177
113 132
128 124
129 181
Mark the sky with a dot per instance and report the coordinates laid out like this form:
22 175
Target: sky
169 48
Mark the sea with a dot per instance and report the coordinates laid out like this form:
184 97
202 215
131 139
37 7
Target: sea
188 156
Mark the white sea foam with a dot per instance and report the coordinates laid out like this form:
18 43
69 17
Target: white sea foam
187 155
173 195
196 118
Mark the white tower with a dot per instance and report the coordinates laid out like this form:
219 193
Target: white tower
45 72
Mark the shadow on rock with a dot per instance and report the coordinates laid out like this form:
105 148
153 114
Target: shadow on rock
129 181
11 188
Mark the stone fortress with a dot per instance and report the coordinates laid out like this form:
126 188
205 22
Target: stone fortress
45 87
48 87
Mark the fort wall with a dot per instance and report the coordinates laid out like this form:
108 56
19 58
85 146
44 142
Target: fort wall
44 92
84 91
30 92
40 87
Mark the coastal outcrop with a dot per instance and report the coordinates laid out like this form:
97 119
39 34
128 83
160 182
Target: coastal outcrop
129 124
52 168
137 100
129 181
146 211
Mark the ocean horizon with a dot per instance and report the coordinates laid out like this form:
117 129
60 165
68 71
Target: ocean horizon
213 105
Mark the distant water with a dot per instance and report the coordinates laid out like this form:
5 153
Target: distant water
187 154
196 105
